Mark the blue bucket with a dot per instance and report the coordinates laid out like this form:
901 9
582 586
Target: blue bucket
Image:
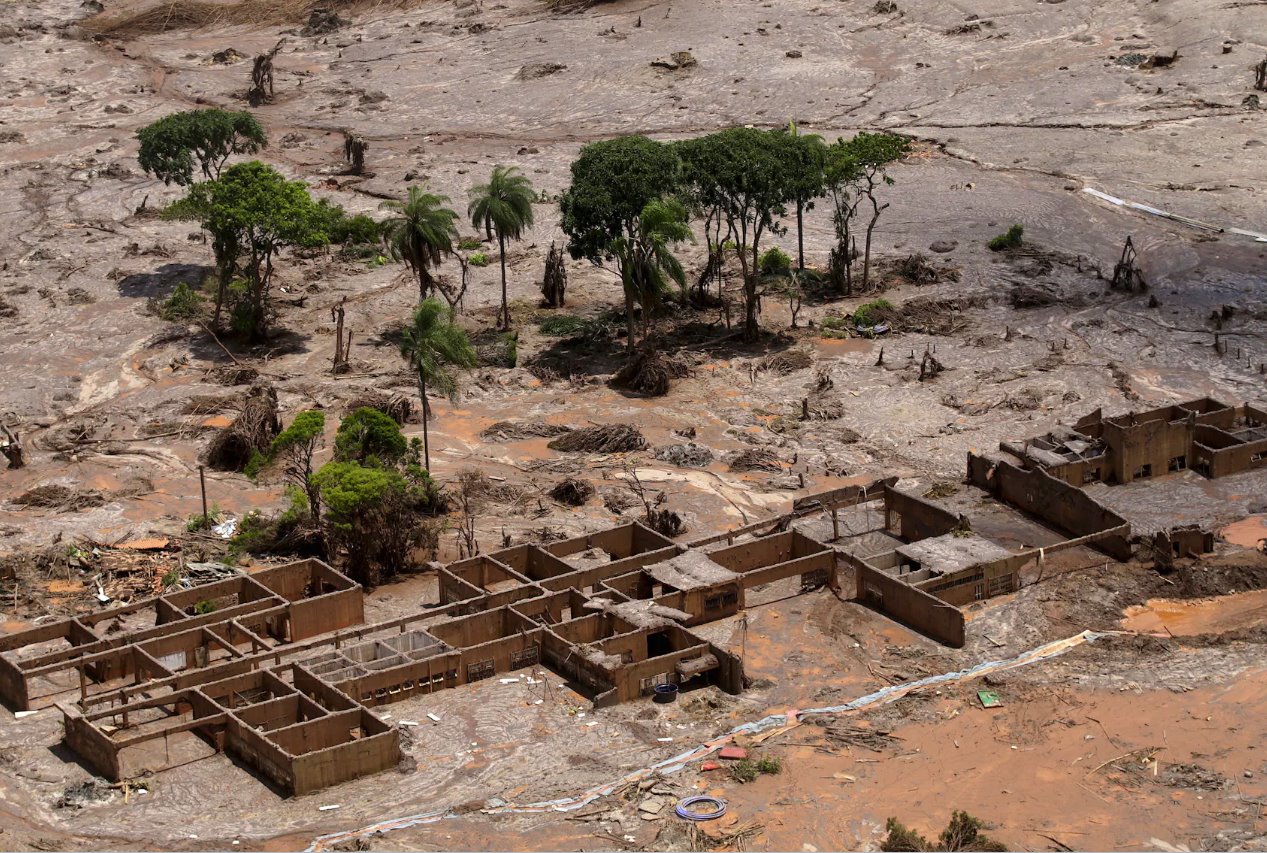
665 693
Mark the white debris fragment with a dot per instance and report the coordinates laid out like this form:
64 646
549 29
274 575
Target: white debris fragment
432 717
327 808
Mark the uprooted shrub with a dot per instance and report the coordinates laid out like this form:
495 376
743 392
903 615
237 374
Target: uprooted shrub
649 372
250 434
614 438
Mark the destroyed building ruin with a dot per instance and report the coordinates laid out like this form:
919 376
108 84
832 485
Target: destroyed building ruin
277 669
1212 438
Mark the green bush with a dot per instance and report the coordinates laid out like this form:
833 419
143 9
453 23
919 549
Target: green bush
963 833
469 244
173 577
745 770
835 323
775 261
184 303
477 259
359 229
202 608
865 314
1010 240
770 764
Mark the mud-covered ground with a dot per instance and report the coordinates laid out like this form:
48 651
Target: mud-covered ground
1014 117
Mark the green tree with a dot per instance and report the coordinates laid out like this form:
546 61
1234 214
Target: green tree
253 213
744 174
433 345
613 182
367 516
856 170
841 174
647 264
422 234
171 145
294 447
806 160
367 436
503 206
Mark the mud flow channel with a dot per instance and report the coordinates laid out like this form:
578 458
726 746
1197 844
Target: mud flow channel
1198 616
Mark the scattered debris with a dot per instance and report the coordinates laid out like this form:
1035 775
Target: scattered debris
689 455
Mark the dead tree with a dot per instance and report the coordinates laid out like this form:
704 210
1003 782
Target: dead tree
451 296
470 483
11 447
929 366
354 148
342 347
1260 76
1126 275
554 283
261 91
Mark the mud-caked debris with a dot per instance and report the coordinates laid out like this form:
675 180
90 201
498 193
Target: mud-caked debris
520 430
59 497
788 361
650 372
322 21
676 61
690 455
756 459
79 795
537 70
614 438
252 432
572 492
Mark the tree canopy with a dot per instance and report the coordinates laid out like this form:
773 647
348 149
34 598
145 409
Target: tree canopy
744 174
171 145
613 181
254 212
295 446
368 436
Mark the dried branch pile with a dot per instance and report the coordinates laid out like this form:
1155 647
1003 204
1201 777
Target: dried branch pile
572 492
518 431
398 407
616 438
650 372
787 361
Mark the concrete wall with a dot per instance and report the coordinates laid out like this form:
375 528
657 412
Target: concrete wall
919 519
1065 507
910 606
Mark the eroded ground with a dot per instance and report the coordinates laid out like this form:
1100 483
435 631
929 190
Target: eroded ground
1015 119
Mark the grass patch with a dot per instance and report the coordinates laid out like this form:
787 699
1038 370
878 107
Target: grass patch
478 259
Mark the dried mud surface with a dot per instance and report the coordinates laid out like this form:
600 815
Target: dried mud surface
1014 120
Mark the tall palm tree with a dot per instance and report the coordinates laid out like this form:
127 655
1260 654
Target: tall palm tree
503 206
647 263
422 234
433 346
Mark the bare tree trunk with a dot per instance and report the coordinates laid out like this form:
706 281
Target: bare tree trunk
800 235
866 252
501 247
751 330
426 440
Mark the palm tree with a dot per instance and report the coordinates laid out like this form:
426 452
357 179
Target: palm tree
503 206
433 345
647 263
422 234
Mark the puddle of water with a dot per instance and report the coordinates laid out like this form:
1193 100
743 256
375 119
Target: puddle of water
1248 532
1198 616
